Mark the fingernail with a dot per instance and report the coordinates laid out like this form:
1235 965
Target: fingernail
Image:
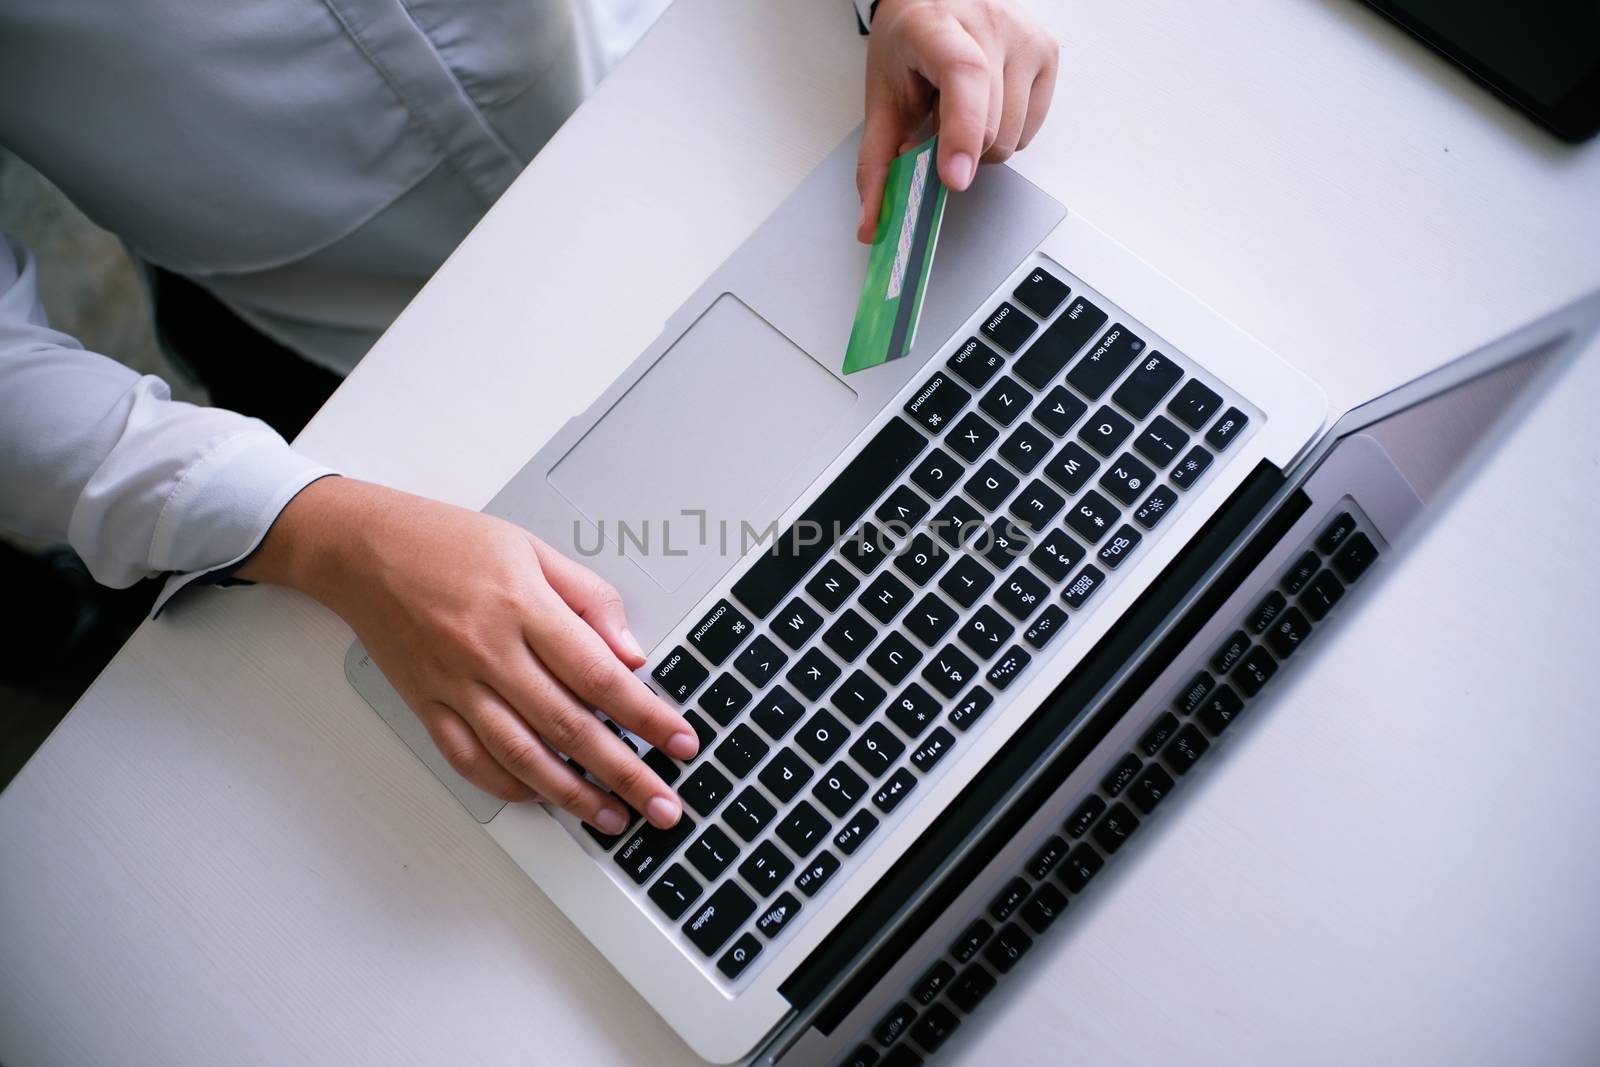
663 812
610 821
631 643
961 170
683 745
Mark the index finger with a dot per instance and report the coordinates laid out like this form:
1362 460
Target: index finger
955 63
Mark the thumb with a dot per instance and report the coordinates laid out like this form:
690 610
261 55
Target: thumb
593 599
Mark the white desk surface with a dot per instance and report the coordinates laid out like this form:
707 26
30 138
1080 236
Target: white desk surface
223 857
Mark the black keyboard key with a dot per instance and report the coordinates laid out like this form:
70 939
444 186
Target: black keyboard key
1355 557
971 709
675 890
1043 907
1026 448
1305 568
883 599
741 750
1005 400
1051 621
1120 547
976 934
1254 671
1085 585
930 618
1151 788
1092 517
990 484
1229 653
933 749
832 585
1056 555
936 474
895 657
939 400
737 958
1266 612
777 915
1151 740
1149 383
1008 327
1093 374
1060 410
895 1023
796 623
857 830
817 872
724 699
863 1055
1022 593
813 673
876 750
1060 341
850 635
913 710
957 522
1007 667
1161 442
1287 632
748 813
1127 478
822 735
858 697
1186 748
705 789
1116 827
1322 594
866 548
1219 709
1082 863
679 674
934 980
901 1055
986 632
1336 532
1155 507
1010 944
785 775
1051 853
777 713
892 792
1105 431
901 511
1125 771
949 671
1084 815
838 790
975 362
1009 899
1001 543
722 630
920 559
605 840
666 768
723 912
1071 467
644 853
1190 468
1041 292
966 581
1195 404
874 469
761 661
1036 505
936 1024
1232 423
711 852
970 987
971 436
766 868
1195 693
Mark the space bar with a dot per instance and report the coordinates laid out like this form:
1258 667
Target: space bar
829 517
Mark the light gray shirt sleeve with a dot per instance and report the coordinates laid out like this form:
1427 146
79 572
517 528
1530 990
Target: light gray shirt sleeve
100 457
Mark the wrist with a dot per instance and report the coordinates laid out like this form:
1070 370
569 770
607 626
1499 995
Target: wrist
309 539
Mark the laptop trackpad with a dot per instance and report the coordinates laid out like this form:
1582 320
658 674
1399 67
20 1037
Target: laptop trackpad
723 424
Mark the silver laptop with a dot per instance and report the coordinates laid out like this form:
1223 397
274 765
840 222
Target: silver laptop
949 628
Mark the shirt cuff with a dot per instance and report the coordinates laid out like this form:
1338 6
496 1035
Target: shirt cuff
228 502
864 12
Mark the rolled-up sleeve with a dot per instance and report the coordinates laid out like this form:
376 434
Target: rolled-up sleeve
98 456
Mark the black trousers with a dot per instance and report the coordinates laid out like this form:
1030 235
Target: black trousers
243 369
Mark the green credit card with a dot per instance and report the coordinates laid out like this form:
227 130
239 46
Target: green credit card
900 260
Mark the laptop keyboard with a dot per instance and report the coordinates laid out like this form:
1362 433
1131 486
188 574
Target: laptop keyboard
1061 866
846 664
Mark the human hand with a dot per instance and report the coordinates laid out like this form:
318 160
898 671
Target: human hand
500 644
989 63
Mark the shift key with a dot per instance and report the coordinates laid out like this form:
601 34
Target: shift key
1059 343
